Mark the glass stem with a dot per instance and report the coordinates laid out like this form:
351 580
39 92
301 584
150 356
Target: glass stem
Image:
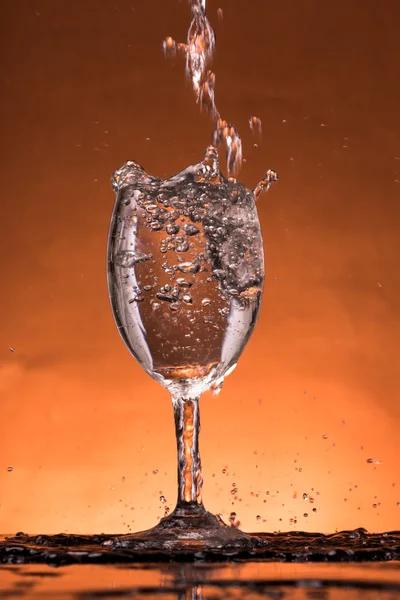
187 428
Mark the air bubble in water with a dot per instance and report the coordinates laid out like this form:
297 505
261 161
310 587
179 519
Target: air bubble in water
164 297
188 267
183 247
191 229
128 258
184 282
172 229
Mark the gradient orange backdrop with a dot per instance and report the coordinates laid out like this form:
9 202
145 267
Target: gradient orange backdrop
89 436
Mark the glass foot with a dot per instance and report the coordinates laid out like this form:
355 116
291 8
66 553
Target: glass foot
189 529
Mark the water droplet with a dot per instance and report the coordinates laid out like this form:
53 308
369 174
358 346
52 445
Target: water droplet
325 437
169 44
206 301
187 298
258 518
370 460
128 258
305 496
264 185
10 469
175 306
234 491
155 306
12 349
255 125
232 520
305 515
163 499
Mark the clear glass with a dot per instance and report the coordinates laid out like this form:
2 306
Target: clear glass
185 276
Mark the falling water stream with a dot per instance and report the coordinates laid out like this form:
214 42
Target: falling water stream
199 50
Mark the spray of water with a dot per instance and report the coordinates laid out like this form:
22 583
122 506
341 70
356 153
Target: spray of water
199 50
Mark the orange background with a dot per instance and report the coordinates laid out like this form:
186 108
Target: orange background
90 437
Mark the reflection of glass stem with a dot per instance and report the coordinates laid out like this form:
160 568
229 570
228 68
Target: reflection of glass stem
187 428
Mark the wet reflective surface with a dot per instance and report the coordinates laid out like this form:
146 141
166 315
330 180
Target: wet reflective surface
346 546
250 581
86 86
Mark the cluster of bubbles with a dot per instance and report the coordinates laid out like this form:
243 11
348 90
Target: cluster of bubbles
186 212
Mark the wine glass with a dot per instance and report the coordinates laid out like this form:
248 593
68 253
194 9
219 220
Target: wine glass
185 276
